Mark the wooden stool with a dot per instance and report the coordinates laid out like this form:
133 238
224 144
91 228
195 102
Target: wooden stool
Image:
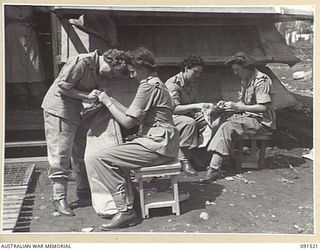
256 163
161 199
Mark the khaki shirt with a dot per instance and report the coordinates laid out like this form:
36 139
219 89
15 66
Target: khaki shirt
81 73
153 108
181 93
259 91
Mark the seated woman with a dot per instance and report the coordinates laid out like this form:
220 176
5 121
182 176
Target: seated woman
183 90
254 112
157 141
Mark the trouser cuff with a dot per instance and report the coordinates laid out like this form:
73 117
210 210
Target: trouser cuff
60 188
216 161
122 201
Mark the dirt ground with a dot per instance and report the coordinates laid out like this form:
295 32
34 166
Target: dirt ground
272 200
275 200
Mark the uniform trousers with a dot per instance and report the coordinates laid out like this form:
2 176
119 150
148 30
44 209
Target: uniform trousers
66 142
222 142
112 166
188 135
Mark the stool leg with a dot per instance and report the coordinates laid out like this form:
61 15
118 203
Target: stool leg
262 154
239 155
174 183
146 212
141 194
253 150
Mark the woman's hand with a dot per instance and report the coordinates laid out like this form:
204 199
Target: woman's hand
221 104
92 96
230 105
105 99
203 105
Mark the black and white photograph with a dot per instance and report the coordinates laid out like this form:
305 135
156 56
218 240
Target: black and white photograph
158 119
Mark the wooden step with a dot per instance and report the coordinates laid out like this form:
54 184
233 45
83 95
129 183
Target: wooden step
24 144
26 159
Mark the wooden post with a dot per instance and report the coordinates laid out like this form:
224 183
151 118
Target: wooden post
55 43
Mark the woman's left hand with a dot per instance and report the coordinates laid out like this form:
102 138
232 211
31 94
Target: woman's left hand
104 98
230 105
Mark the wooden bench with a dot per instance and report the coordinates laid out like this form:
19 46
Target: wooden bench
253 161
159 199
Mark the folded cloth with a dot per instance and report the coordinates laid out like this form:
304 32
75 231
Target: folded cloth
91 110
200 121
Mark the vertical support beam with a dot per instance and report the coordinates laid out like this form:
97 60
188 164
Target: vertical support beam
55 41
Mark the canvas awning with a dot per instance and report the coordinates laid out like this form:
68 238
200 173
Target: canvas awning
215 43
171 33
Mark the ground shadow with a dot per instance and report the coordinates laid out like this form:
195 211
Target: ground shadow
281 161
198 194
294 128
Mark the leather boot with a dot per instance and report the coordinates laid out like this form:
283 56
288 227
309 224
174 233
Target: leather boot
212 175
187 168
62 207
106 216
121 220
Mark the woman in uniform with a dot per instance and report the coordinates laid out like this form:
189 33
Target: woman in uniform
183 90
77 82
254 112
157 141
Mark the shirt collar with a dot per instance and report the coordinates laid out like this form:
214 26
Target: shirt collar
149 77
95 60
181 79
253 77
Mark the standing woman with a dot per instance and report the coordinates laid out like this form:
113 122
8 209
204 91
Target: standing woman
157 141
77 82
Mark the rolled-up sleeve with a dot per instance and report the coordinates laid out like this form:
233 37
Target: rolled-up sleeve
71 73
262 90
141 102
174 93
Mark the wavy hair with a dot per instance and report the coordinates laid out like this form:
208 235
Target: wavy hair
241 58
116 60
141 57
191 61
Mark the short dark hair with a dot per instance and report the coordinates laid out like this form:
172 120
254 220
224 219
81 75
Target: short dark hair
191 61
141 57
241 58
